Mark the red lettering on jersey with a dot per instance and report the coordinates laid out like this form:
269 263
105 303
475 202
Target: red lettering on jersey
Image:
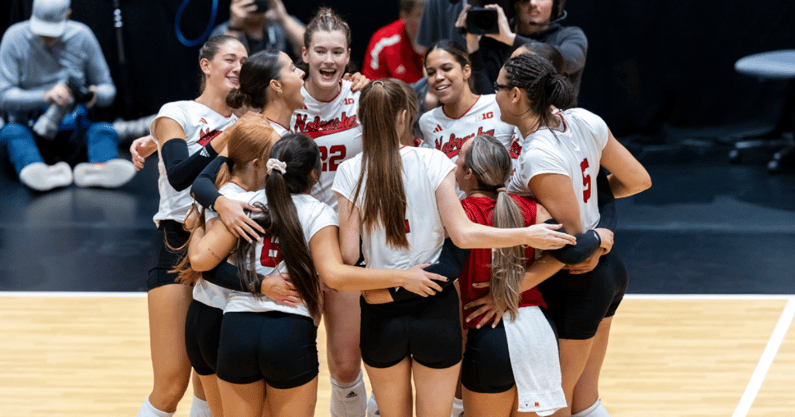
317 127
348 101
452 147
205 136
516 148
408 229
331 158
271 255
586 181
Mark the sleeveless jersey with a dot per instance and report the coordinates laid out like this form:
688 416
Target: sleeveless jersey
573 149
335 127
201 125
478 264
423 172
313 216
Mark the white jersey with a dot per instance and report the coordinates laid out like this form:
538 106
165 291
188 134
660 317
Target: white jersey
200 124
313 216
206 292
280 129
573 149
423 172
335 127
448 135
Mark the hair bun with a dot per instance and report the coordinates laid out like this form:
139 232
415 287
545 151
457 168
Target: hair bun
236 98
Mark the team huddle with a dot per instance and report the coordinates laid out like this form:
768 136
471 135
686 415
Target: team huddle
466 262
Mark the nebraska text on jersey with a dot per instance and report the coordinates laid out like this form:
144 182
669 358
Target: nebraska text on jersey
317 127
453 146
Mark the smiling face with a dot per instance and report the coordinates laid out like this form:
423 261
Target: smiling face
447 79
327 56
291 79
222 72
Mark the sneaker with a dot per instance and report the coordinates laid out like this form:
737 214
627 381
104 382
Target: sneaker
133 129
110 174
42 177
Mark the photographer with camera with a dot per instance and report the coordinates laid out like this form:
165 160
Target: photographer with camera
263 25
52 63
491 36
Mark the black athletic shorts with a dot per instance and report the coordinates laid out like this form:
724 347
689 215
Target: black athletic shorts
280 348
487 362
202 332
166 258
578 303
427 329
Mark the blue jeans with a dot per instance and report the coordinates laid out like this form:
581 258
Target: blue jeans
101 141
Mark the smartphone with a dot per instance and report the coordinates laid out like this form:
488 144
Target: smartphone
262 6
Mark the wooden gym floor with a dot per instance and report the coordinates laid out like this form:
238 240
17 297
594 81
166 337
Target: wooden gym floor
78 354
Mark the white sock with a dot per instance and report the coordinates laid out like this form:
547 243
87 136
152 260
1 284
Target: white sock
458 408
372 407
349 400
199 408
595 410
148 410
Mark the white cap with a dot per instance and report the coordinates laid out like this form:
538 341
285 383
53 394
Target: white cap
49 17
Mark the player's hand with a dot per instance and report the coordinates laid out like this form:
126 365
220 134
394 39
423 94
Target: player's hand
60 95
278 288
606 236
421 282
486 307
544 236
588 265
357 80
506 35
141 148
232 213
93 101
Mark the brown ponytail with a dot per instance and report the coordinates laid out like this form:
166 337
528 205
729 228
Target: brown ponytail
491 165
385 199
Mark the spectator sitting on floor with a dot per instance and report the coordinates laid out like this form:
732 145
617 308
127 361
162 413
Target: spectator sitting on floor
392 52
40 59
260 30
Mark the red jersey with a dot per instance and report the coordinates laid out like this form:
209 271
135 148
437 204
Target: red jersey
478 264
391 54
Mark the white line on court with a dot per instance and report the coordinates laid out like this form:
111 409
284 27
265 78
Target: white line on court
72 294
766 360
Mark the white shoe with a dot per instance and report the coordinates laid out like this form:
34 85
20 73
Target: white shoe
110 174
42 177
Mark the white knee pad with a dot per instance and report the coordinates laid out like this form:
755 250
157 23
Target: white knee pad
348 400
595 410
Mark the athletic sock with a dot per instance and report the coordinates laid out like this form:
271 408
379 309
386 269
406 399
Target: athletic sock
148 410
199 408
372 407
595 410
349 400
458 408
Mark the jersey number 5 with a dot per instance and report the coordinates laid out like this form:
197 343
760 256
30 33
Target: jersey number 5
586 181
271 255
331 157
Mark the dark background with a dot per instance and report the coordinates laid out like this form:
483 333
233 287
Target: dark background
651 64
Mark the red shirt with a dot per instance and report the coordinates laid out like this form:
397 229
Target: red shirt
478 264
391 54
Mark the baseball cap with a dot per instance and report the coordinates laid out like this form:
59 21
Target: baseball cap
49 17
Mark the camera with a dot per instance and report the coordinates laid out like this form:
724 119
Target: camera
48 123
481 21
262 6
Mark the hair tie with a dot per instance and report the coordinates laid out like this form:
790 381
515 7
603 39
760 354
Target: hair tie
276 164
378 82
501 190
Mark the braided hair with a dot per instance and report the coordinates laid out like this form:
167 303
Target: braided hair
542 84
